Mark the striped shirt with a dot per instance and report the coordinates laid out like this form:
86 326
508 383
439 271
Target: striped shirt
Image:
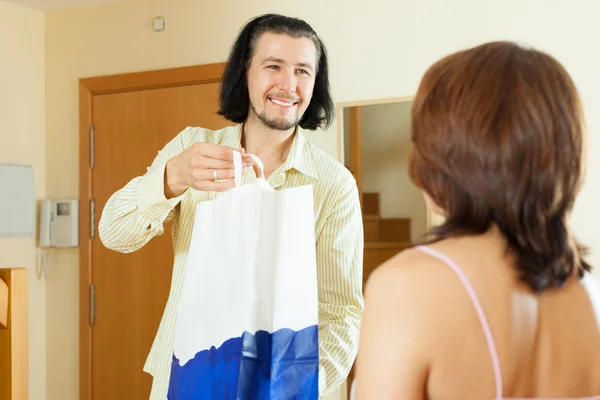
136 213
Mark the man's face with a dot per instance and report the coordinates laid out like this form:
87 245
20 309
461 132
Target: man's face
281 78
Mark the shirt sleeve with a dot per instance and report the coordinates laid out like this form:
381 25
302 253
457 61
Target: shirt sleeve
136 213
339 261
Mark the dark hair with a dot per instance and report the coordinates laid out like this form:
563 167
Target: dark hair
234 100
497 140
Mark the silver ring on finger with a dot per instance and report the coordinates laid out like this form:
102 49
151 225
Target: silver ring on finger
215 176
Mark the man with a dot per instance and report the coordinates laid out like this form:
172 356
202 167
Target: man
275 85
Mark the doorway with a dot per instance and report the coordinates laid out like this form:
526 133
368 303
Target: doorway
375 144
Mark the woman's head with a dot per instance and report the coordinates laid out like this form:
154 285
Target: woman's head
498 140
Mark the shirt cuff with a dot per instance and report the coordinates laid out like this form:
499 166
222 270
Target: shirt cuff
151 195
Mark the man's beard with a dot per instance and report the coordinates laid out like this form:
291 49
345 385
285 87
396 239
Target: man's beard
278 124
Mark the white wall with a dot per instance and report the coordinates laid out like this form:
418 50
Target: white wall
23 141
385 148
378 49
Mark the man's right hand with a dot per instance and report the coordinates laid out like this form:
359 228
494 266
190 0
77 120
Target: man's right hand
195 167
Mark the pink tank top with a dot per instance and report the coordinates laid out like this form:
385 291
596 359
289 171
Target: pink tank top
489 337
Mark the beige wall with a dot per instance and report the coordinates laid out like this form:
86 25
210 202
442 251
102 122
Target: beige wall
23 141
385 149
378 49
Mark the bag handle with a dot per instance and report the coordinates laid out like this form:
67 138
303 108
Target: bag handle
237 167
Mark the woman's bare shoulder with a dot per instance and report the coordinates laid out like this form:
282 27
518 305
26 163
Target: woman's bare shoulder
411 276
409 265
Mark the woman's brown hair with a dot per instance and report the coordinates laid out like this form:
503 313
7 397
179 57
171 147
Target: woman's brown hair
497 140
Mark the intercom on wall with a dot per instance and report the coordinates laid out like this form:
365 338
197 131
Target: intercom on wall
59 225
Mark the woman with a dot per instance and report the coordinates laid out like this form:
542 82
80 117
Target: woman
498 302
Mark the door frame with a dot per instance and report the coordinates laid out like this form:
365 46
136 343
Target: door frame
359 103
88 88
355 155
355 141
355 133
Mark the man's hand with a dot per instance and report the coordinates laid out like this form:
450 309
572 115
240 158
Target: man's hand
195 167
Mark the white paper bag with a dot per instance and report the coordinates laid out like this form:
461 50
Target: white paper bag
247 320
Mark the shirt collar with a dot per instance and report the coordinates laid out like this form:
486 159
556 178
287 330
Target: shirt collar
299 158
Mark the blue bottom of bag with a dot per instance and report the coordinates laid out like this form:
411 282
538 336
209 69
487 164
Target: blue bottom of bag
283 365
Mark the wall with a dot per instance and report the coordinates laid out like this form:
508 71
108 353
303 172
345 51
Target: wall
23 141
378 49
385 148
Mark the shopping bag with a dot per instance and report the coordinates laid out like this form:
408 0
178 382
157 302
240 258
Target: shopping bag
247 319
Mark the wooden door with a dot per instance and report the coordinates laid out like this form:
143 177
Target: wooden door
130 290
355 146
14 334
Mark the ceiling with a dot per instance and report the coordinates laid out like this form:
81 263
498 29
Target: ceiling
47 5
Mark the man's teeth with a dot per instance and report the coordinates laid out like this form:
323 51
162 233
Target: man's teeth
282 103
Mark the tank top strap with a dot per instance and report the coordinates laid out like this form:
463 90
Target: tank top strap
487 331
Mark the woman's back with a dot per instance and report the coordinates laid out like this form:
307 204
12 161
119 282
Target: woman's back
493 305
548 344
